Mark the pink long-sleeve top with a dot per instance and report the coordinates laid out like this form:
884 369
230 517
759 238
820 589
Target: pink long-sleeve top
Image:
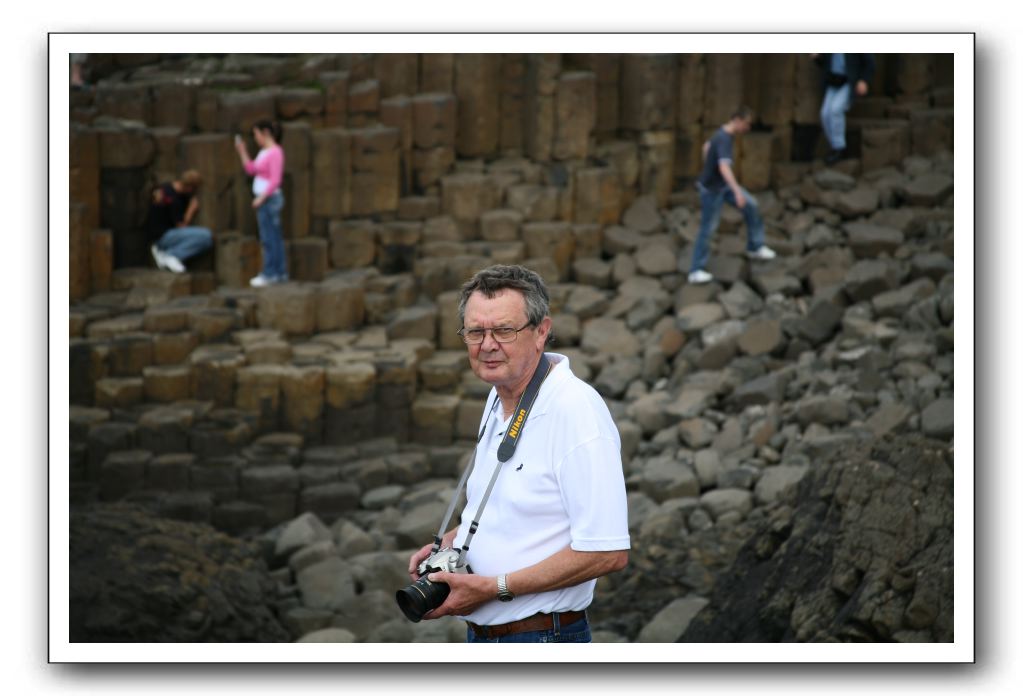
268 170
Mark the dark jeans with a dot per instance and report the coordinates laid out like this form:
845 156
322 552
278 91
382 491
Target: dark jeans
710 215
185 242
268 216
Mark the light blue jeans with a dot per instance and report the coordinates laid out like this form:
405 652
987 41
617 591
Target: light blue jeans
836 103
710 216
578 632
185 242
271 236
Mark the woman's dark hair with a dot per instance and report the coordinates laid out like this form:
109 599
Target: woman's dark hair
273 126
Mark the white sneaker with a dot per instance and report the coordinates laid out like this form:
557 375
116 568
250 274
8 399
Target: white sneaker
260 281
699 277
764 253
159 257
173 263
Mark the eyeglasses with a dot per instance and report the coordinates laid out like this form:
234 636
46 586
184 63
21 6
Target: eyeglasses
501 334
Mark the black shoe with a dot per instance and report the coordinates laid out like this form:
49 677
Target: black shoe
834 156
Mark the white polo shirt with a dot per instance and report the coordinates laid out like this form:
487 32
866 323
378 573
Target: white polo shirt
564 486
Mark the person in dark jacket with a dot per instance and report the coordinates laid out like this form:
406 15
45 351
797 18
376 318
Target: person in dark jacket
173 206
845 75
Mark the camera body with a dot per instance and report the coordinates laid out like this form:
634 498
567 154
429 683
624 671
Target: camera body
423 595
445 560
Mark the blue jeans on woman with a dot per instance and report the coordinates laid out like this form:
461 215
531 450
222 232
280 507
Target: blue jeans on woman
577 632
268 216
185 242
710 215
836 103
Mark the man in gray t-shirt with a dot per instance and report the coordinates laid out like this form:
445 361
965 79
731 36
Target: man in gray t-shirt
717 184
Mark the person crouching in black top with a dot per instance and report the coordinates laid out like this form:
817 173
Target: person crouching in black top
173 207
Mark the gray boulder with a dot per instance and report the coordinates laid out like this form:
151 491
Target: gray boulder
870 277
311 555
609 336
762 390
697 317
776 481
728 500
895 303
928 189
740 301
834 180
328 584
821 322
689 404
665 478
418 525
938 419
859 202
671 622
868 241
302 531
823 409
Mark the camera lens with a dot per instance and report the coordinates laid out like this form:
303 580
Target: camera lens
420 597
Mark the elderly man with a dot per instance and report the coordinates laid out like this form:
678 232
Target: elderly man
556 517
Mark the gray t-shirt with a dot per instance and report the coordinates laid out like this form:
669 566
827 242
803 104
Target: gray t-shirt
720 150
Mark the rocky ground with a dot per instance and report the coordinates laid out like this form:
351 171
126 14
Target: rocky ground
138 577
787 430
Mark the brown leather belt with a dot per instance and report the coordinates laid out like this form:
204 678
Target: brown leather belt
536 622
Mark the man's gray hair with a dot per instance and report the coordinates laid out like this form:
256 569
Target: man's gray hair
491 280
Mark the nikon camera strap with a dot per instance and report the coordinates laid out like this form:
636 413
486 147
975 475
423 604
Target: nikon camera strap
504 452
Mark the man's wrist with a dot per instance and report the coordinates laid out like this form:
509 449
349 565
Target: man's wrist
503 593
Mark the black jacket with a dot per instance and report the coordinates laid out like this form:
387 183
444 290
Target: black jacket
858 66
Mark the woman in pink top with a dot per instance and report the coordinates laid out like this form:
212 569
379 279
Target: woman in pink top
268 172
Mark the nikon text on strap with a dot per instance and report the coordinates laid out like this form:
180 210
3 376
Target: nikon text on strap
511 437
509 443
504 452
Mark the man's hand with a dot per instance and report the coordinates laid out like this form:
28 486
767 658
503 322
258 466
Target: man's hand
258 201
417 558
740 200
729 176
861 88
467 593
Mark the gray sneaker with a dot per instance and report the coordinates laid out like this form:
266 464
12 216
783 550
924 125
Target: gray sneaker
173 263
699 277
159 257
764 253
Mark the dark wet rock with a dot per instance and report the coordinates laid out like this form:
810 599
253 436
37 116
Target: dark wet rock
862 551
135 577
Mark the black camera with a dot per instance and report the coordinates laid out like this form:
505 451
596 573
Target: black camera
423 595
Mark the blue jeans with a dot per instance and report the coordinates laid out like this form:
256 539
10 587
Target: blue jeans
836 103
185 242
710 216
578 632
268 216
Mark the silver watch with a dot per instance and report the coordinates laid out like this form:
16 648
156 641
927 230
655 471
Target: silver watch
502 589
